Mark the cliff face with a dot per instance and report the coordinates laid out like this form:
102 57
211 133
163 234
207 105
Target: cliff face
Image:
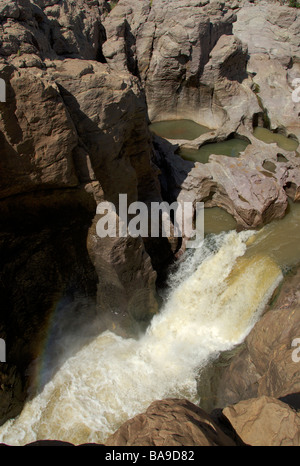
170 49
73 133
83 82
203 61
51 28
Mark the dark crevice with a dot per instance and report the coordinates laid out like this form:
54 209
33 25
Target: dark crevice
100 56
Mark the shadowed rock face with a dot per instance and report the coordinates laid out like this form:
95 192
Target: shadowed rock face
84 129
73 133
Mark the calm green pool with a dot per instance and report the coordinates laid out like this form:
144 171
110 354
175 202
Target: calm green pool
231 148
178 129
265 135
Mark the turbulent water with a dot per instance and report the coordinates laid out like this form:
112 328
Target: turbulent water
215 297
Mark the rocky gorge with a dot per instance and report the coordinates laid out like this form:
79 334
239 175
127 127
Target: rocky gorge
83 82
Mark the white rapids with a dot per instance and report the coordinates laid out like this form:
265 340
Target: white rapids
216 296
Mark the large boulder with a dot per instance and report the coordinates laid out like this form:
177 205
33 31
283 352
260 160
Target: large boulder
252 195
73 133
170 423
254 188
264 421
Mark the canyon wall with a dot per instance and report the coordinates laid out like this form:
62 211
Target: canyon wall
83 83
73 133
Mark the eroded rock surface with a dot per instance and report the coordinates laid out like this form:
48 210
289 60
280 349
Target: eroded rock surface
267 363
271 33
265 421
254 187
170 423
73 133
48 29
82 85
174 50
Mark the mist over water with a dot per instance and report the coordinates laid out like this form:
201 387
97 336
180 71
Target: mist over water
215 297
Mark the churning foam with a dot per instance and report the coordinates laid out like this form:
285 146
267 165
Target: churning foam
215 299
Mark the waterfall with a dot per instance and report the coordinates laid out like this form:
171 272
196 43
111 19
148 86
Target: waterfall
215 298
